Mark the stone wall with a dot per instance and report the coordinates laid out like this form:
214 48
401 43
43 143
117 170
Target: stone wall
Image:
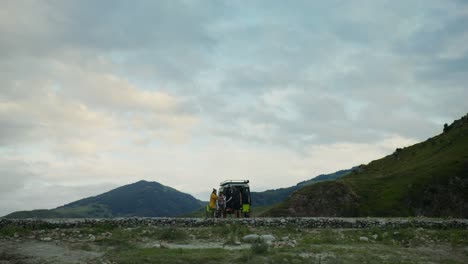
315 222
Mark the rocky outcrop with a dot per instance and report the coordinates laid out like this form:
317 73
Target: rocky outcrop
309 222
329 199
449 198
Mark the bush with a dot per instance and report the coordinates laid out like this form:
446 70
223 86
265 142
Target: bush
446 127
259 247
172 234
11 230
233 233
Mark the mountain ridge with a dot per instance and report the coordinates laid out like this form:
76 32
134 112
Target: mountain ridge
142 198
274 196
429 178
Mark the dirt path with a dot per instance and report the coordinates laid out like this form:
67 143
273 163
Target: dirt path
38 252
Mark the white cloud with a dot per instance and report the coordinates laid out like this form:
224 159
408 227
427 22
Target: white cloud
104 93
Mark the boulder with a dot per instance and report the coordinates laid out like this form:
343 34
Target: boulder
268 238
254 237
250 238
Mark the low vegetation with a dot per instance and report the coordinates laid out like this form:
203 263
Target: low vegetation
426 179
150 244
272 197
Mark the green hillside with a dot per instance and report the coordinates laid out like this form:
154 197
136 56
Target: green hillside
429 178
263 201
142 198
271 197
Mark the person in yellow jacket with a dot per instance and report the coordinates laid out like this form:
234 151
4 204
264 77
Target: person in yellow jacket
213 199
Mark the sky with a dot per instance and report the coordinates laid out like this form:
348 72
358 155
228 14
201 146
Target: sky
99 94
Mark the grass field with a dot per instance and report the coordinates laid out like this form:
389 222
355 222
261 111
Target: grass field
149 244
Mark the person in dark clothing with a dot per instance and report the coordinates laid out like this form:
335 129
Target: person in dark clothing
228 196
236 201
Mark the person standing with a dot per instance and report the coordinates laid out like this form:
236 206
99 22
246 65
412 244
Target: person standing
213 199
228 197
221 205
236 201
245 202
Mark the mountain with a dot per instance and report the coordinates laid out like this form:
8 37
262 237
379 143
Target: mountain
271 197
143 198
426 179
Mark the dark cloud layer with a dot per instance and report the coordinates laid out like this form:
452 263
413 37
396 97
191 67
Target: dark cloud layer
387 58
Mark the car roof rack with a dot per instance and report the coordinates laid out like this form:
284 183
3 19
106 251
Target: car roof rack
234 182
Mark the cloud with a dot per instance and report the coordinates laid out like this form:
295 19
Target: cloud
15 174
111 92
69 103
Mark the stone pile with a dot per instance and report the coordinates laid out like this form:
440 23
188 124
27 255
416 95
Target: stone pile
310 222
57 234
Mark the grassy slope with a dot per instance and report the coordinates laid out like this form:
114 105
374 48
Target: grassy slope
271 197
138 199
142 199
92 210
398 183
429 178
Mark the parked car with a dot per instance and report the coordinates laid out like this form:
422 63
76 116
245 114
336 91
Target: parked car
244 189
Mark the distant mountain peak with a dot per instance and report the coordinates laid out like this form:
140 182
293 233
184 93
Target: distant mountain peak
142 198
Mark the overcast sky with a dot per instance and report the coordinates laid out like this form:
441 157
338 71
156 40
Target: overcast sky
98 94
